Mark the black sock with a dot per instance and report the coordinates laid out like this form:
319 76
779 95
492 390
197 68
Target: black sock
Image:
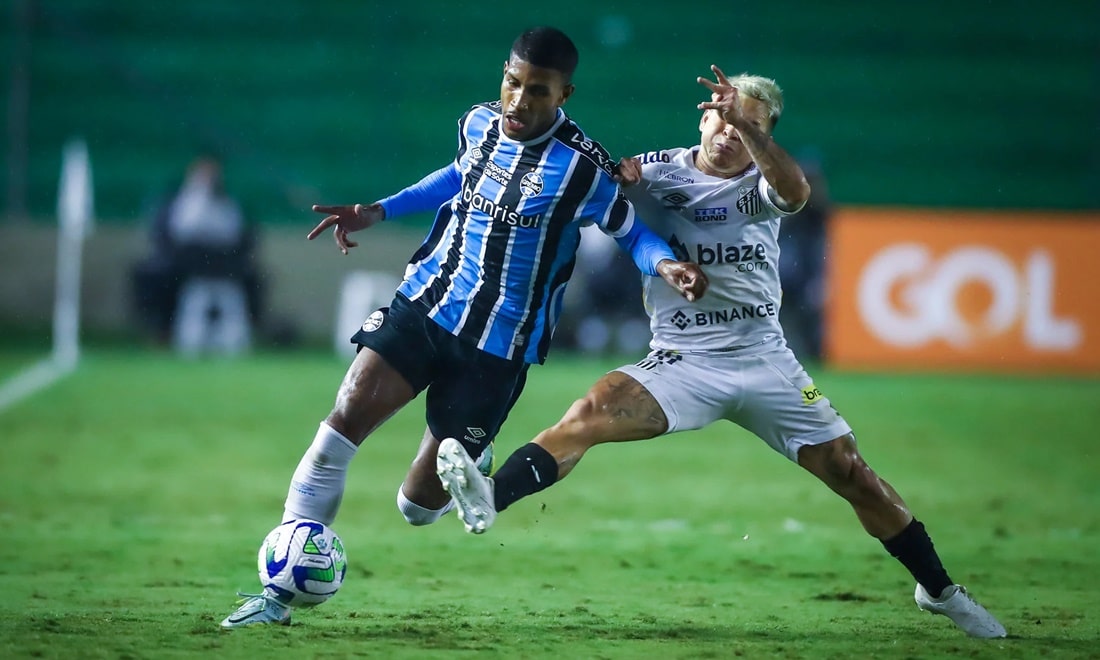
913 548
527 471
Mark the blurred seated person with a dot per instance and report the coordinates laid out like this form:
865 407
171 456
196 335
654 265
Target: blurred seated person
608 316
199 231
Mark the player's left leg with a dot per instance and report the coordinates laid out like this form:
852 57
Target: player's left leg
885 516
469 400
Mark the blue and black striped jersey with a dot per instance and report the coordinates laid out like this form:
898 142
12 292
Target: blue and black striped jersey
494 267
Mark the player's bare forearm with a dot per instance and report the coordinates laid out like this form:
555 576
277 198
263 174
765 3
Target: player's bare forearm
778 167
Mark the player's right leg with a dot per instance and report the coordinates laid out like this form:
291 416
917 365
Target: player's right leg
371 392
885 516
388 372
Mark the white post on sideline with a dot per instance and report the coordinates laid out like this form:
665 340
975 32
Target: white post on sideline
74 215
74 224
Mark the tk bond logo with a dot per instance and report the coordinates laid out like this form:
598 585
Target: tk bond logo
716 214
907 298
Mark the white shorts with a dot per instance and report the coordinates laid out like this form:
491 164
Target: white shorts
762 389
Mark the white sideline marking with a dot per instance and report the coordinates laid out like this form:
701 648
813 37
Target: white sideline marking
32 379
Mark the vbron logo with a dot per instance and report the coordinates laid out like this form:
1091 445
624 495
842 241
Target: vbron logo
932 291
374 321
673 176
531 184
499 212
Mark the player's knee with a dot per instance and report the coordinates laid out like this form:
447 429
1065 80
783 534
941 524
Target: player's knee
417 515
578 420
848 472
597 418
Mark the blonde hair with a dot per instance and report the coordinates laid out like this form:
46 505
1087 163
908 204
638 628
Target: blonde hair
762 89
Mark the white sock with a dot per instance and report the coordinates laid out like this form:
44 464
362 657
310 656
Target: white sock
418 515
318 482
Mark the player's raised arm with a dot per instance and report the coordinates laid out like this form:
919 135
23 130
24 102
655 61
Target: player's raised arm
754 131
426 194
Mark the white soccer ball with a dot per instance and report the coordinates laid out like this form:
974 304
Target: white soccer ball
302 563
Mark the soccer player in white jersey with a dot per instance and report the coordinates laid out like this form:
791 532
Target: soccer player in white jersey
719 204
482 295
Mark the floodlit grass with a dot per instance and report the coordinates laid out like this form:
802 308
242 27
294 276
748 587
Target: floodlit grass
135 492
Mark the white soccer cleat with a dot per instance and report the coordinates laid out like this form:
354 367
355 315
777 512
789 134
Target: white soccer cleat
471 490
959 606
257 609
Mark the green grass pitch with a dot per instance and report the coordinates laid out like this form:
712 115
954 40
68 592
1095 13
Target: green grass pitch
135 492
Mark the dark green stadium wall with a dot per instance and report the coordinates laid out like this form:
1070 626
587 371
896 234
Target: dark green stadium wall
948 104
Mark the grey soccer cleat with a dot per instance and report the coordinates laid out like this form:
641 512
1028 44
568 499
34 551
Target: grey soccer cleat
257 609
959 606
471 490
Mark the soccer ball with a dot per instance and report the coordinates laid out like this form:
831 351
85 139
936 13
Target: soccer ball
302 563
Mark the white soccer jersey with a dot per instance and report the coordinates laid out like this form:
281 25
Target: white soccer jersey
730 227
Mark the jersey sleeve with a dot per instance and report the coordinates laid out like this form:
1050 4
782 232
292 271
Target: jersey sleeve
768 194
620 222
428 194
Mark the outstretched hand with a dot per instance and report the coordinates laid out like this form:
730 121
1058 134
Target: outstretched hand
684 276
629 172
723 98
346 219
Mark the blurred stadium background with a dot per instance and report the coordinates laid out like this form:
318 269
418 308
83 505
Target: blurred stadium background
961 148
929 106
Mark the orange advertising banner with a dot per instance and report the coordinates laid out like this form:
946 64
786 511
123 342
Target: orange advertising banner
958 290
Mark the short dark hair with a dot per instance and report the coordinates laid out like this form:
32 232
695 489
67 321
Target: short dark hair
548 48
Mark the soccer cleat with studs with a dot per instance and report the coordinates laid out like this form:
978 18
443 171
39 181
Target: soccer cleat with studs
471 490
257 609
959 606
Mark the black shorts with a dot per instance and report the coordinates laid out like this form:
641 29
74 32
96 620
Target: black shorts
470 392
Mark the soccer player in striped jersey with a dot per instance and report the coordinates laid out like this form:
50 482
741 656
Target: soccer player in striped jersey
720 204
482 295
